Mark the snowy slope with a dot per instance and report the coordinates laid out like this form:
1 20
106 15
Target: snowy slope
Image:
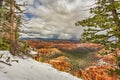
4 76
28 69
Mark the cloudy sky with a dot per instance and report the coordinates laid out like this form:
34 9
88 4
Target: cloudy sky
55 18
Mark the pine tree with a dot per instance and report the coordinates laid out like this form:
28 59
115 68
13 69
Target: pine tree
10 21
15 22
104 26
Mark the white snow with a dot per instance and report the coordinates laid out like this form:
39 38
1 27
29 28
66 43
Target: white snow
29 69
101 62
4 77
33 52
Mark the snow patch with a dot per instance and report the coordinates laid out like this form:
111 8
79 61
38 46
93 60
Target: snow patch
29 69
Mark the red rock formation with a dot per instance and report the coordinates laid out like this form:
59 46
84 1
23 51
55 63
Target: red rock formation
96 73
101 72
60 63
48 51
110 58
66 45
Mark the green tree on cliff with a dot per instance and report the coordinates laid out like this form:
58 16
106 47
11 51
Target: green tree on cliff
10 22
104 26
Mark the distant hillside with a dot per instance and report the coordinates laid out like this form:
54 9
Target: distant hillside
63 44
47 39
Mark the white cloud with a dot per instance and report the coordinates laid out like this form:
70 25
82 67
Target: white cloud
56 18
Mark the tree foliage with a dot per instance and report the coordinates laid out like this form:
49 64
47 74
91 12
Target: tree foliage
8 31
104 26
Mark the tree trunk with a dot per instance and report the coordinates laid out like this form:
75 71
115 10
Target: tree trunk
116 18
115 14
1 2
12 28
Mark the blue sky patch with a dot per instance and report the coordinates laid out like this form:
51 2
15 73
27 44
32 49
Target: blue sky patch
29 15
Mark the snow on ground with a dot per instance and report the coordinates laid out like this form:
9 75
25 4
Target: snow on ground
4 76
29 69
33 52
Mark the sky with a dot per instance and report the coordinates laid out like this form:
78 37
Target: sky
55 18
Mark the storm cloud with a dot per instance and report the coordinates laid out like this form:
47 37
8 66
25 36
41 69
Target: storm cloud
55 18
